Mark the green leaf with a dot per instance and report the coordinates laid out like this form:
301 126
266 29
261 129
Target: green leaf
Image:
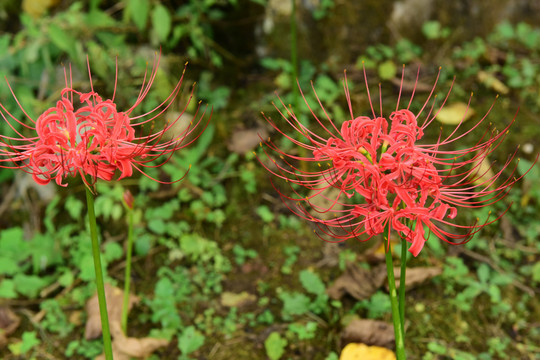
8 266
7 289
12 244
113 251
387 70
139 10
29 285
265 213
63 40
190 340
294 304
312 282
332 356
74 207
161 22
275 346
483 273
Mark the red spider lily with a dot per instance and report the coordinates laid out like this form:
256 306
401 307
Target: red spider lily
86 135
387 179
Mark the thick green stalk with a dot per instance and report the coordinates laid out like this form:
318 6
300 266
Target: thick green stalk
127 278
402 284
99 277
396 316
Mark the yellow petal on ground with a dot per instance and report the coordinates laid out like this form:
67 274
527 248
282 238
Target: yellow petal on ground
363 352
490 81
454 113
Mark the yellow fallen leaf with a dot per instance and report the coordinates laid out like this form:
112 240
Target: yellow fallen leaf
363 352
483 173
37 8
454 113
492 82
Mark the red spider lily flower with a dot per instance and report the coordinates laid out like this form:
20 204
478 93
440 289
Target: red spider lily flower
386 177
86 135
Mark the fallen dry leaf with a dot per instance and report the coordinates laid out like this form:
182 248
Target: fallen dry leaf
361 283
454 113
126 348
9 322
363 352
114 297
416 276
230 299
321 201
483 172
245 140
358 282
491 81
370 332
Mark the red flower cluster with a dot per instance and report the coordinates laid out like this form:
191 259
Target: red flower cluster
387 179
84 134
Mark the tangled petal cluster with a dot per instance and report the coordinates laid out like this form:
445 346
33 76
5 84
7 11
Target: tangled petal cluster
387 178
86 135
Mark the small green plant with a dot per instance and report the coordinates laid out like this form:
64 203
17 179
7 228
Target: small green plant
189 341
275 346
241 255
291 252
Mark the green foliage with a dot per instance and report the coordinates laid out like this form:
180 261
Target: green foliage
304 331
188 233
241 255
487 281
433 30
294 303
88 349
189 341
275 346
28 342
377 306
265 213
291 252
55 319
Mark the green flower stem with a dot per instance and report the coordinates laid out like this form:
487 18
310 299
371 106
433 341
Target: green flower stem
99 276
396 316
294 56
402 285
127 278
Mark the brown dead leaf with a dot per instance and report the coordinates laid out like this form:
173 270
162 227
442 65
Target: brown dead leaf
371 332
355 351
114 297
125 348
9 322
358 282
416 276
245 140
230 299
